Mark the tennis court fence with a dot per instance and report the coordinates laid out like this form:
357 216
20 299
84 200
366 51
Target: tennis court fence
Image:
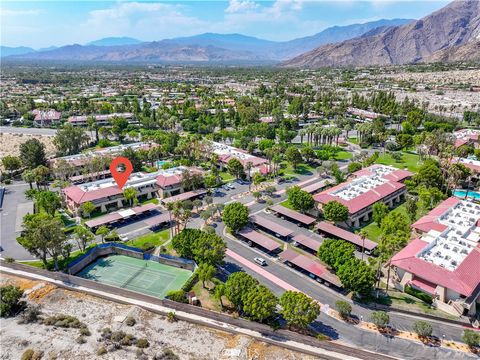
120 249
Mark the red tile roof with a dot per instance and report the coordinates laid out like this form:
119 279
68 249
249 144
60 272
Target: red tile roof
463 280
363 200
429 221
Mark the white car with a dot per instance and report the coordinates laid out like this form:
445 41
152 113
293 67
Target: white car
123 238
260 261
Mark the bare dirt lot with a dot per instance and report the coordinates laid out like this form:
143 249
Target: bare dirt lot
182 339
10 143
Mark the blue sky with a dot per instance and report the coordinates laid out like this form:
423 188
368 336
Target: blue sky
44 23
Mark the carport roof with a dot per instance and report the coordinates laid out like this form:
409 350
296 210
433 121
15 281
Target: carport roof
270 225
259 239
295 215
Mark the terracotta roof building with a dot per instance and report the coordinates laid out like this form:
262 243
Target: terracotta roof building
370 185
445 261
226 153
106 195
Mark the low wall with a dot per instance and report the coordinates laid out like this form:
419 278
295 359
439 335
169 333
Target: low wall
172 261
121 249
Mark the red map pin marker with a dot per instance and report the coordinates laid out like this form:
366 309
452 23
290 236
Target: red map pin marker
121 177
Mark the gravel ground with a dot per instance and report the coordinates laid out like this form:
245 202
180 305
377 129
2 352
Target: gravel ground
188 341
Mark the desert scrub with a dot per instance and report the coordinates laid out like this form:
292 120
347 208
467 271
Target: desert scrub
65 321
27 354
142 343
167 354
101 351
130 321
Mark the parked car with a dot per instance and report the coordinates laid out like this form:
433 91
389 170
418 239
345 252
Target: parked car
123 238
260 261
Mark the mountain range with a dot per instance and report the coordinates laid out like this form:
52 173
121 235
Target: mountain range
204 47
449 34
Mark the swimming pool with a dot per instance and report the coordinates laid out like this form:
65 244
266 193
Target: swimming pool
160 163
471 194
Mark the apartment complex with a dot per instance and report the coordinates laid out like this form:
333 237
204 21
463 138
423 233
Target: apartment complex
106 195
226 153
46 117
79 161
466 137
370 185
102 120
444 261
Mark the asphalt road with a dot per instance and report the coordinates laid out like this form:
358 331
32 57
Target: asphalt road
32 131
15 206
338 330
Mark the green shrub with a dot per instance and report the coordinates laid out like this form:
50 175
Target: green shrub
80 340
130 321
190 282
11 301
471 338
167 354
178 296
142 343
419 294
147 246
343 308
65 321
85 332
171 317
380 318
101 351
27 354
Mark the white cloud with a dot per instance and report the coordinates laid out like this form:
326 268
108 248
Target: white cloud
147 21
11 12
236 6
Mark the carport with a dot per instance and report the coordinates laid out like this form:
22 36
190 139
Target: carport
272 227
254 237
306 242
293 215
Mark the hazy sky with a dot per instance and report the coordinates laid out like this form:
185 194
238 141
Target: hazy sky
45 23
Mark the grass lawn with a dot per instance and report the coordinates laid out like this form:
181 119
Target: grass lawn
353 140
374 231
302 169
62 263
150 201
400 300
410 161
287 204
226 177
155 238
207 300
343 155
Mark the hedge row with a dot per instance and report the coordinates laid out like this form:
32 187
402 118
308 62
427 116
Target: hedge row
419 294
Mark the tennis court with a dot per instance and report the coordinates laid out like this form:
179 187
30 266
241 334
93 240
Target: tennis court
143 276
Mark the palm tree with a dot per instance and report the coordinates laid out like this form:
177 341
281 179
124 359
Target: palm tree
130 194
363 235
29 177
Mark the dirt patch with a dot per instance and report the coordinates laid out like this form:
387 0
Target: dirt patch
188 341
11 143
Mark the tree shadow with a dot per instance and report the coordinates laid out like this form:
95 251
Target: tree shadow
325 329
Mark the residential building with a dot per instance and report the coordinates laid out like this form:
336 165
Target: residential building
444 261
106 195
466 137
102 120
363 115
79 161
370 185
46 117
226 153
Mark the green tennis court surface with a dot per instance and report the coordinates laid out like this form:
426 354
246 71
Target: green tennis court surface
143 276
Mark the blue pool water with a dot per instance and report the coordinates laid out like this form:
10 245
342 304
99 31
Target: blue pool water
160 163
471 194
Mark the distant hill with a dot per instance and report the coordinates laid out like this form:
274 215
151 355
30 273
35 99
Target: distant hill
115 41
205 47
20 50
444 33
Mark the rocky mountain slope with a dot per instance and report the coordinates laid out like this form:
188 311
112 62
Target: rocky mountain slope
451 27
204 47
